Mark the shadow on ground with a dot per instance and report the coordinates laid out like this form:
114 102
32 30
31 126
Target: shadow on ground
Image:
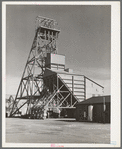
62 120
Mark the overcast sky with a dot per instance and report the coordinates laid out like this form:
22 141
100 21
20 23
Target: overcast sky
84 40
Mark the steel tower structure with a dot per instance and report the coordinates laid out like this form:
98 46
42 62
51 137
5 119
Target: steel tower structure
31 87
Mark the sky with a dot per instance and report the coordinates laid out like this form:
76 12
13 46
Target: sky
85 40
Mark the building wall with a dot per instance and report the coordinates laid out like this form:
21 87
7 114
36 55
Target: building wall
97 113
93 89
82 87
81 113
69 70
75 84
55 61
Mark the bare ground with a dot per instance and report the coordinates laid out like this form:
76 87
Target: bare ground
55 131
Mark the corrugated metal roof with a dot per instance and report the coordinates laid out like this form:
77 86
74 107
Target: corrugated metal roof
95 100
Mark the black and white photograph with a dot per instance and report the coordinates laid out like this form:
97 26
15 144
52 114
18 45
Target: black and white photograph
61 65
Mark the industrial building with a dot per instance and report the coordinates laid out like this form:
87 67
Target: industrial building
47 88
95 109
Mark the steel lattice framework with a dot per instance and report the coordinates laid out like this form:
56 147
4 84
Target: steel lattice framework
31 88
9 104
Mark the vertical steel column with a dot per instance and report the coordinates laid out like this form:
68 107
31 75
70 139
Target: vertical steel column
56 42
45 36
72 88
84 88
57 86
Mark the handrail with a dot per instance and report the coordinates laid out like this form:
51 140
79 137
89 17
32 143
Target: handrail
44 96
50 98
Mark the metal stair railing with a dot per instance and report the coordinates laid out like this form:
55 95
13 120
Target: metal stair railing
45 95
53 95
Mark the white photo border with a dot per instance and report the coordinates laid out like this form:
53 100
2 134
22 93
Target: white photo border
115 72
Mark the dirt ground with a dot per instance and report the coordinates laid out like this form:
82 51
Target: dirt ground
55 131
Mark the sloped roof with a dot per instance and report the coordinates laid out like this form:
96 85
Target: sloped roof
63 72
95 100
49 72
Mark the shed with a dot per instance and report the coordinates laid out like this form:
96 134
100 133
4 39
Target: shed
94 109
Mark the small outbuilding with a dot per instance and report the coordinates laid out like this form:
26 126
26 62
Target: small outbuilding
94 109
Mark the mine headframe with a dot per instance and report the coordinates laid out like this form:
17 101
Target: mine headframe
31 87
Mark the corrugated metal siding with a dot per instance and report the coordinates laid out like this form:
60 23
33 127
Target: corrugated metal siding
81 87
57 59
75 83
93 89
